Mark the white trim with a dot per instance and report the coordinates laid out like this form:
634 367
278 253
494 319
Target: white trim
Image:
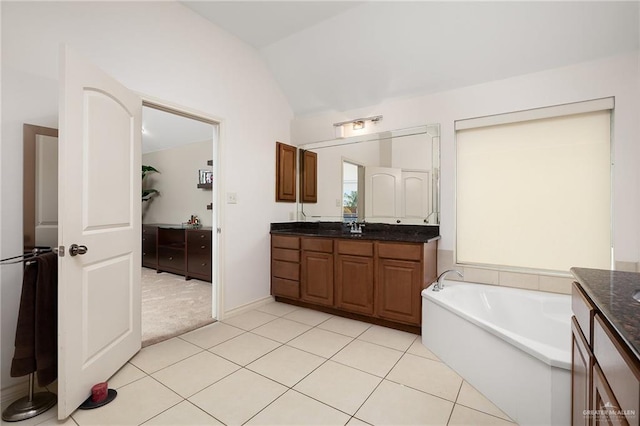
248 307
217 306
536 114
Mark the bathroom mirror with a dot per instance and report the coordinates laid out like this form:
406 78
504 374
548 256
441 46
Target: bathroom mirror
40 186
386 177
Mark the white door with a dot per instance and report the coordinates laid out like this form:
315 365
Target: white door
99 320
383 192
415 197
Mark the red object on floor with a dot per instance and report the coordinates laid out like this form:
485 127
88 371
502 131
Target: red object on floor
99 392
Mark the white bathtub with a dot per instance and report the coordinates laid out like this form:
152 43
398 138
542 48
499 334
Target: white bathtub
512 345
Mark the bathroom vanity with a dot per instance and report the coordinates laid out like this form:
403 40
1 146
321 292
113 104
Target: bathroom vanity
374 276
606 347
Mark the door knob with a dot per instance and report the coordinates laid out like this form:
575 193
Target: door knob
76 249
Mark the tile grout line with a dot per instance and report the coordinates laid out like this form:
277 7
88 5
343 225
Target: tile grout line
453 407
384 378
281 344
291 388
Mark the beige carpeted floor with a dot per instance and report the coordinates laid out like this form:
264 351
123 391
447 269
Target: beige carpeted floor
172 306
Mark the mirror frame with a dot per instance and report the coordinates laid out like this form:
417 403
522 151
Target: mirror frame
370 137
29 136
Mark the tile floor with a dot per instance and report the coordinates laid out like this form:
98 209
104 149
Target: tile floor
284 365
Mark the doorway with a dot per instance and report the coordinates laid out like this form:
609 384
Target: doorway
180 186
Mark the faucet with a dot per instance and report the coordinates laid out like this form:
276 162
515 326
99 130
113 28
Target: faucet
439 285
356 228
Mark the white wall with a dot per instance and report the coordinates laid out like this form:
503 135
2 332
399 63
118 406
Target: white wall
616 76
163 50
177 182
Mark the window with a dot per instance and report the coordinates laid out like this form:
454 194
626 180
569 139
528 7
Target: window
533 188
350 186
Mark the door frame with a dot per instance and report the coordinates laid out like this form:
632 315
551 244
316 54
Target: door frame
217 306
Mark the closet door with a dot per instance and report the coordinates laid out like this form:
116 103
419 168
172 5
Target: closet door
99 320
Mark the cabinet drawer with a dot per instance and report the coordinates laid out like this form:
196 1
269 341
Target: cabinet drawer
198 236
619 367
171 258
583 310
199 266
400 251
355 248
149 230
149 239
195 247
286 255
283 241
285 288
288 270
323 245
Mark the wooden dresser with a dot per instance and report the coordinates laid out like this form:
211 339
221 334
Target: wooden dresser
182 251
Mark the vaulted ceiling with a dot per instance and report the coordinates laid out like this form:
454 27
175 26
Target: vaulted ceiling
345 55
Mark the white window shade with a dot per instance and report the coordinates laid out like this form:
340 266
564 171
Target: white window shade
535 194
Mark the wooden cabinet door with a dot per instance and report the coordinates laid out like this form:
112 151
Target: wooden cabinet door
285 172
317 277
580 377
354 284
308 176
604 402
398 290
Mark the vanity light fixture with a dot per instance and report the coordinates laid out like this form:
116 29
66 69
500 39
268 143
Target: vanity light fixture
356 124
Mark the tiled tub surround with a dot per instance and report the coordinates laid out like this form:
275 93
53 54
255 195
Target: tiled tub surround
520 341
505 278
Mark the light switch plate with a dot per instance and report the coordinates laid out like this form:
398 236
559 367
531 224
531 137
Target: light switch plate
232 198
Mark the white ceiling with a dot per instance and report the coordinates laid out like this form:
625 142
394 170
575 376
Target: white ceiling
162 130
346 55
261 23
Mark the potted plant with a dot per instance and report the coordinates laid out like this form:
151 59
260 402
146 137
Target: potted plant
149 193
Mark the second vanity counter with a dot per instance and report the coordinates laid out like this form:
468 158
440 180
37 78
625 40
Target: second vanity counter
606 347
373 276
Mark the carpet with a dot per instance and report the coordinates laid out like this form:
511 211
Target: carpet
172 306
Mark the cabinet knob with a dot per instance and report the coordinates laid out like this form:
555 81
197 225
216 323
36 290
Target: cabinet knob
170 257
201 235
203 247
204 264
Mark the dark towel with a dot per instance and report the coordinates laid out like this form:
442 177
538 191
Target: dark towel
37 330
24 358
46 341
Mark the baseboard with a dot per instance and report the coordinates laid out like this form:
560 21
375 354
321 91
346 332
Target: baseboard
248 307
14 392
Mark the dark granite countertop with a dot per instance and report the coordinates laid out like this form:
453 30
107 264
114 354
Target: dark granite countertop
612 293
371 231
